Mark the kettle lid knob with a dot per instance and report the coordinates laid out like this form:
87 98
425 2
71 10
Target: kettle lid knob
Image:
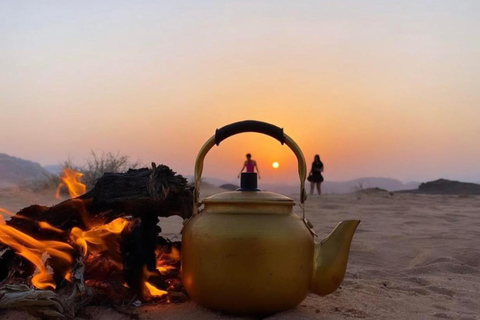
248 182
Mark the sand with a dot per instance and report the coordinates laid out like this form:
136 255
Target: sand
413 257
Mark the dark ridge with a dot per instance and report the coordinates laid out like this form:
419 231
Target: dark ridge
444 186
229 186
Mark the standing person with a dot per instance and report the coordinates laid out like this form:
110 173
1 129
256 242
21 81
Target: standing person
315 176
251 165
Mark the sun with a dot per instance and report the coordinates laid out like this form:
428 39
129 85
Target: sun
275 165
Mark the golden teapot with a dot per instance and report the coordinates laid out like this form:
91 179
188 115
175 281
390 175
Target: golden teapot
247 252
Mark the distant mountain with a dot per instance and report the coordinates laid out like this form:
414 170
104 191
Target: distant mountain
365 183
53 168
229 186
412 185
213 181
342 187
444 186
15 170
328 186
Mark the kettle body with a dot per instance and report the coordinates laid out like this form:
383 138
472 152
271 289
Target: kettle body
247 258
247 252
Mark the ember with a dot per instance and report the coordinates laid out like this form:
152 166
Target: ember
102 244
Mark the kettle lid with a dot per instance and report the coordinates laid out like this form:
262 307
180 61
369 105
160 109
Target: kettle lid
249 197
248 193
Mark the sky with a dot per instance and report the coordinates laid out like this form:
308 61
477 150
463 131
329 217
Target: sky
376 88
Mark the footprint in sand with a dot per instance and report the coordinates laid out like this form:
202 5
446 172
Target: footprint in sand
471 258
442 315
441 307
440 290
448 265
417 280
426 285
417 290
352 313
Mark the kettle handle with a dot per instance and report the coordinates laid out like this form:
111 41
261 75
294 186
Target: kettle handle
250 126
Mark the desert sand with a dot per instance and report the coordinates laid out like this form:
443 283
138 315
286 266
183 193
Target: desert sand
413 257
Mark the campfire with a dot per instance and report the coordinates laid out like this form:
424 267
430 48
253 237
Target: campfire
99 247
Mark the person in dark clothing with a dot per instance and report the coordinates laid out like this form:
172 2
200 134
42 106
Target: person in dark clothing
315 176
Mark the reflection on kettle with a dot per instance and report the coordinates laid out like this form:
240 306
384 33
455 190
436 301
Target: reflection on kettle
247 252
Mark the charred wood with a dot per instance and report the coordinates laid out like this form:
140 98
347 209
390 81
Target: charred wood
143 193
141 196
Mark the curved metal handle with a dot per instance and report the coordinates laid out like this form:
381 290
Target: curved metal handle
250 126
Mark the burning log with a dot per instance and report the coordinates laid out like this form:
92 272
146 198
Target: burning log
106 240
143 193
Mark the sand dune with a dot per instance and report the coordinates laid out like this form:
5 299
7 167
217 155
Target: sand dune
413 257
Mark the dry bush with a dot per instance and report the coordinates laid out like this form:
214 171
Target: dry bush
97 165
48 181
359 187
93 169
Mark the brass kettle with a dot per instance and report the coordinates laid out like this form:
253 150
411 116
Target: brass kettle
247 252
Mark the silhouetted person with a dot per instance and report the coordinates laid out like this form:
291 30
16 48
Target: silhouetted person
315 176
250 165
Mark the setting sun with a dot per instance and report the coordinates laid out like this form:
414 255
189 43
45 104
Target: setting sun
275 165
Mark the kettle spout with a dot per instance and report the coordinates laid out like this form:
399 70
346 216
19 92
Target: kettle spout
331 256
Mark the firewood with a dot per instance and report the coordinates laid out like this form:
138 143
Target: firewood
143 193
140 196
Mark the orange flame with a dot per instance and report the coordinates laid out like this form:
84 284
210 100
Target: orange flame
153 291
149 290
96 235
68 276
164 269
36 252
46 225
175 254
6 212
71 179
165 260
92 242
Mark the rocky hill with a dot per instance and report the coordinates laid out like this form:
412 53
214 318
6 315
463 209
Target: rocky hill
14 171
444 186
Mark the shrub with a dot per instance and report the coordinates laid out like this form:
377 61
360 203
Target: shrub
93 169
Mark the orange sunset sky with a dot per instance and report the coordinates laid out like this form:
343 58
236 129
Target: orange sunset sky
377 88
